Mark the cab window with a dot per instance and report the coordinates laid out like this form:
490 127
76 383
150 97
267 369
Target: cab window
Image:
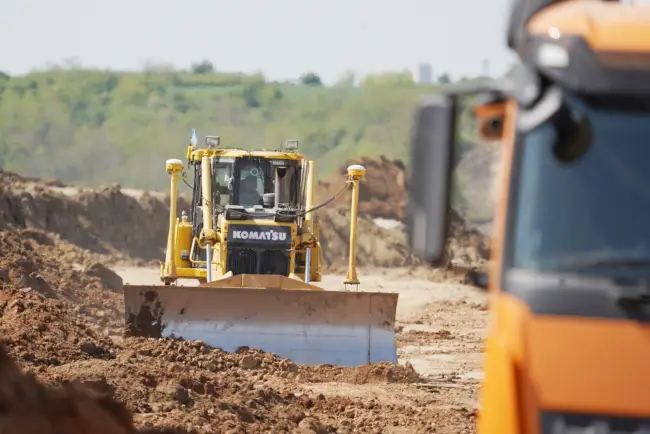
221 176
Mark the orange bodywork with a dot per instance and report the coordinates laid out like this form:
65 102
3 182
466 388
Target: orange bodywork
504 344
567 364
606 26
528 367
487 114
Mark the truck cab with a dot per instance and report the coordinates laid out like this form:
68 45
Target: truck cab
568 348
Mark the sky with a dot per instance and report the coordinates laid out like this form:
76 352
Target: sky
282 38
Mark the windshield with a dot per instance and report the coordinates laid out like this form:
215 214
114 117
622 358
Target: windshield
590 214
258 176
251 182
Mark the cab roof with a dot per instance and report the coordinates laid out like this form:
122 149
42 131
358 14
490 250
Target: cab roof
196 154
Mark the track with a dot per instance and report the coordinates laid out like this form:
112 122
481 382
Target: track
441 327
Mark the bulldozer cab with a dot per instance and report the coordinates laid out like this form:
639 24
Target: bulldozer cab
569 279
249 182
257 182
249 185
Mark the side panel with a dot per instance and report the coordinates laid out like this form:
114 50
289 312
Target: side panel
499 396
590 365
501 410
308 327
500 217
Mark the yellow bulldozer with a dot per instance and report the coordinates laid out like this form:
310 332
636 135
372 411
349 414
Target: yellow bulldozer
251 240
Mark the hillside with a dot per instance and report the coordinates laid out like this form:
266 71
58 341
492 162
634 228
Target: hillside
90 127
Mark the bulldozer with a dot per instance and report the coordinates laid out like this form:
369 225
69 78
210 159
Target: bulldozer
568 348
251 241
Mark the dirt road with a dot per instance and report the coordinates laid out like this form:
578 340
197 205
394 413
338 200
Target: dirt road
441 328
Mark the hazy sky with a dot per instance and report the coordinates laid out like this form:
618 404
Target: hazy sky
282 38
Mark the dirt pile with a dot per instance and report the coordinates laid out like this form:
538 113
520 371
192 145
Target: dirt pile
32 271
197 355
44 332
376 246
28 407
188 386
479 174
466 245
48 318
106 221
50 323
383 194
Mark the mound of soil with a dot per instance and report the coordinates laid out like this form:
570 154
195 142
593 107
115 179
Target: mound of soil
53 319
197 355
375 373
42 332
30 407
106 221
466 245
186 385
376 246
36 269
383 194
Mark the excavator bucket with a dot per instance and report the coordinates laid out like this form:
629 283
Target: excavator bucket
306 326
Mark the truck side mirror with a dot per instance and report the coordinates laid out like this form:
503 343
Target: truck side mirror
432 157
490 115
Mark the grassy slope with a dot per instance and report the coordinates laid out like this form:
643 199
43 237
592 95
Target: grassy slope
85 126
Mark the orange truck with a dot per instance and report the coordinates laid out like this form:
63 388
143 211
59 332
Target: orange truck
568 346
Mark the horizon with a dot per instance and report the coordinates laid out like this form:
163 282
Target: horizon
158 69
282 40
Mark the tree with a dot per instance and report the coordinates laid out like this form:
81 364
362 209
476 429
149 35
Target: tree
204 67
251 94
444 79
311 79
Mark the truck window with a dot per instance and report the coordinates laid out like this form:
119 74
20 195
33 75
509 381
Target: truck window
568 216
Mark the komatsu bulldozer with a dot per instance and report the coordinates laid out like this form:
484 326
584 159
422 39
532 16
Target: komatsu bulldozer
251 240
568 346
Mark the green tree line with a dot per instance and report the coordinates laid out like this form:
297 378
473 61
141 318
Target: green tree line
95 126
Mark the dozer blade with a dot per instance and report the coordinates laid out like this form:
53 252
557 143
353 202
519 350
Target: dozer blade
308 327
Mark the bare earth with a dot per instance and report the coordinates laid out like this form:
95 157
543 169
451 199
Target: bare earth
440 326
61 323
